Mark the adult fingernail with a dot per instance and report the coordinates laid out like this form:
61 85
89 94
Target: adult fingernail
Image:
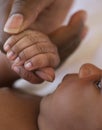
14 23
44 76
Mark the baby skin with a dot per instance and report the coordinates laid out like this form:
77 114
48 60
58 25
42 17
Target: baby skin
75 105
34 55
35 51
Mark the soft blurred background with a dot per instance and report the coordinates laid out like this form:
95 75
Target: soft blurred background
90 50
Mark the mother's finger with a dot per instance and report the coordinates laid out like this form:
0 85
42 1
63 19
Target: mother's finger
68 38
52 17
23 13
5 7
27 75
35 77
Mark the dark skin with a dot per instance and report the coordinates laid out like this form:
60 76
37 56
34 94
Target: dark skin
16 16
75 105
24 108
69 36
18 110
41 14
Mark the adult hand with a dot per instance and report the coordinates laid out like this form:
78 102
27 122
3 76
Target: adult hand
66 38
41 12
18 15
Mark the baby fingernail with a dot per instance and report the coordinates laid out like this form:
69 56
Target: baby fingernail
10 54
17 60
28 65
16 69
6 47
14 23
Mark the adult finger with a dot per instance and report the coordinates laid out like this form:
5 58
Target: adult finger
46 74
35 77
68 38
5 7
27 75
53 17
23 13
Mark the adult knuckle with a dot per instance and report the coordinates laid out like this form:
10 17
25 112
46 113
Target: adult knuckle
25 74
20 3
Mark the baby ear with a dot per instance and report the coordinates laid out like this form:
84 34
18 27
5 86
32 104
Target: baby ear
89 71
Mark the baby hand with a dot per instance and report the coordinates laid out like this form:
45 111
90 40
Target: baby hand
34 50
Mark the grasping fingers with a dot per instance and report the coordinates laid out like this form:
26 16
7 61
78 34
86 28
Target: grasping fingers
35 51
68 38
31 48
21 15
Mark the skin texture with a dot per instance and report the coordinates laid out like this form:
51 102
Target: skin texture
35 51
76 103
16 16
66 39
18 110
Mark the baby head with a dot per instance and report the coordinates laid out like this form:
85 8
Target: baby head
76 104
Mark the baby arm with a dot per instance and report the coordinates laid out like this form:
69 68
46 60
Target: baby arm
35 51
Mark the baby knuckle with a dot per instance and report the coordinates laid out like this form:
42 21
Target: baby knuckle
29 34
35 36
40 62
55 49
55 60
22 55
58 61
49 60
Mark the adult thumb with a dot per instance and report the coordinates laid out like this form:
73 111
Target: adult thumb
24 13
